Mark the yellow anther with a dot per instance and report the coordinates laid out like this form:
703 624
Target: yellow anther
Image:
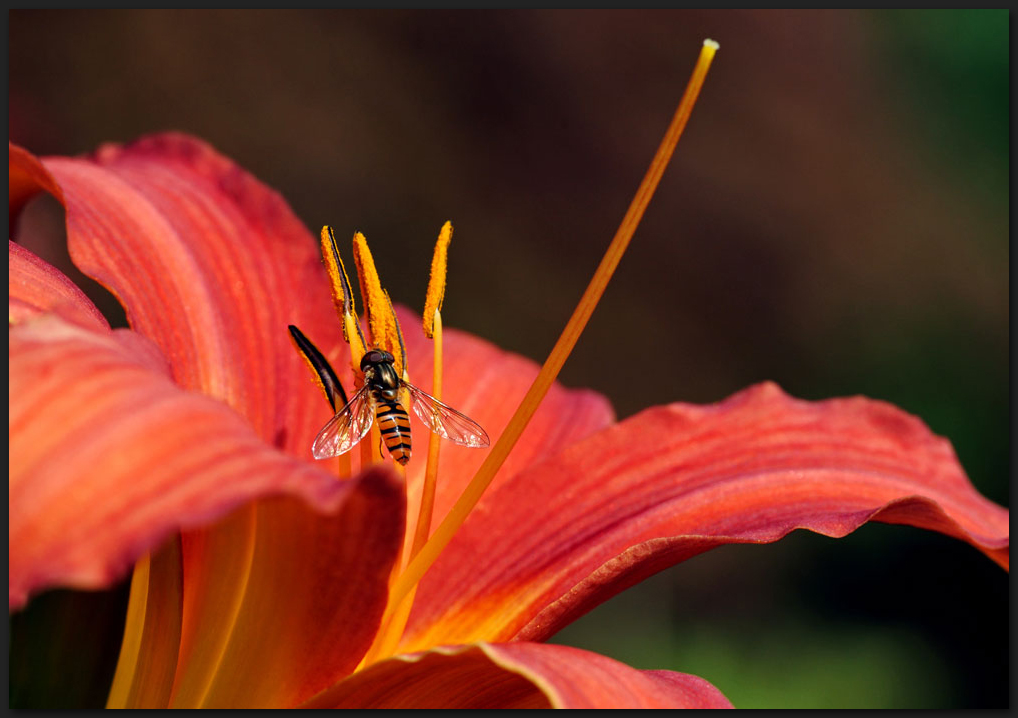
342 296
383 334
436 283
397 336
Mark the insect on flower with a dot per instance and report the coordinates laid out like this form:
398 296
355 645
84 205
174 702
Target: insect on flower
379 399
457 621
385 391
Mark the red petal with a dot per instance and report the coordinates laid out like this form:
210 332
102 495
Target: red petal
677 480
34 286
211 265
313 601
26 178
108 456
516 675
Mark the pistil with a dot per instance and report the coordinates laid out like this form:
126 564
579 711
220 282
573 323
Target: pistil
342 297
433 330
427 555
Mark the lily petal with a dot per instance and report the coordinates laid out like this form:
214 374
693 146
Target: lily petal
26 178
108 456
212 266
314 599
516 675
208 262
675 481
35 286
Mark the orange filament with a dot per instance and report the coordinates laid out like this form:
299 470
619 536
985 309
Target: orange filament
124 679
345 469
433 329
423 560
434 443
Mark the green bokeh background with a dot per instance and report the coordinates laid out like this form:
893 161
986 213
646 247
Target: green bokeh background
836 219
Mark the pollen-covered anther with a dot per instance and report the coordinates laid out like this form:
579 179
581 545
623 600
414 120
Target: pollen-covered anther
321 371
342 296
436 282
380 318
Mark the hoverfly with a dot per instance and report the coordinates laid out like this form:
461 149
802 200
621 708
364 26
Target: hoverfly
379 400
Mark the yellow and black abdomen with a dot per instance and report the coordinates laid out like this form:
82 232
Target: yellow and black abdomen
394 428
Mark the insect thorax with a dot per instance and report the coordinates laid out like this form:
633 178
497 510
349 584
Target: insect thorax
381 377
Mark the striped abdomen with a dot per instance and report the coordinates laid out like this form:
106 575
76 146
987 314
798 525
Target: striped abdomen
394 427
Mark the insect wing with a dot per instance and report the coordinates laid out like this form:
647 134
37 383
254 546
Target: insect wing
346 428
446 421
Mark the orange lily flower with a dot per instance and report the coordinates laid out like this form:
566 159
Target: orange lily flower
264 578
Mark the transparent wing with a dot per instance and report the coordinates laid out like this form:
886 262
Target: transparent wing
446 421
346 428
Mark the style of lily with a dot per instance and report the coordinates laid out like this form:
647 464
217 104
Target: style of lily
265 578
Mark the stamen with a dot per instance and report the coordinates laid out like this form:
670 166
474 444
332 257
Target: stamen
345 466
390 630
342 297
379 322
145 672
385 333
420 563
130 649
397 613
434 443
371 452
436 282
400 356
433 330
323 375
321 370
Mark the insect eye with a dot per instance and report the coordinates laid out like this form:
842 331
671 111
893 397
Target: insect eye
372 357
386 356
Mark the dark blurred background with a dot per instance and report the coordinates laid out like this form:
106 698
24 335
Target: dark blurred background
836 219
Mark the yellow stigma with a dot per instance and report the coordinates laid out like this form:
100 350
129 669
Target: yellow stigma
436 283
